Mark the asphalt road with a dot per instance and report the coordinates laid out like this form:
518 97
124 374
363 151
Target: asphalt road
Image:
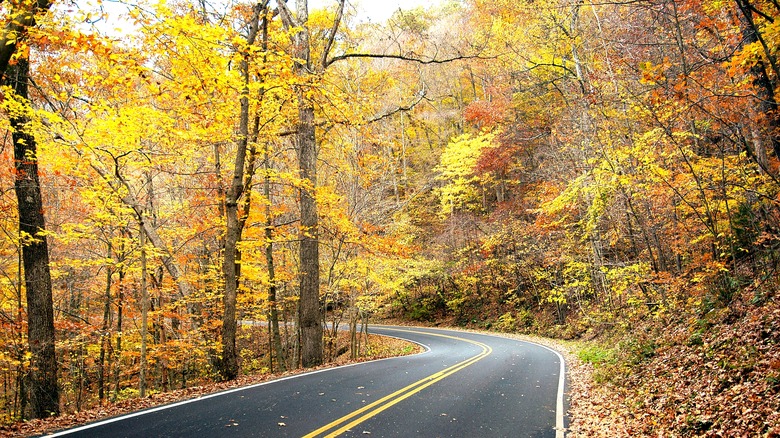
464 385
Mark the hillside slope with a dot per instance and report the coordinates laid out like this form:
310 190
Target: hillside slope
715 375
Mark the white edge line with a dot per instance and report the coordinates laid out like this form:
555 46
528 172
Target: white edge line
559 427
560 430
226 392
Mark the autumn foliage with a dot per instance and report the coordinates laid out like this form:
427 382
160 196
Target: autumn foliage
607 171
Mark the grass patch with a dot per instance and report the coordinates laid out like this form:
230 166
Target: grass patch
596 355
604 360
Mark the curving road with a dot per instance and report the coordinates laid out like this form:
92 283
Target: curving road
464 385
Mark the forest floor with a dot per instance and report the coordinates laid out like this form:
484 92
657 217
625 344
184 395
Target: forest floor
381 347
713 373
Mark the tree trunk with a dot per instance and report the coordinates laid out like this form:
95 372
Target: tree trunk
104 329
118 349
310 313
229 362
767 102
21 372
17 23
144 314
276 338
44 393
309 310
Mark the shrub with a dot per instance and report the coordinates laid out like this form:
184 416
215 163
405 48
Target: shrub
506 323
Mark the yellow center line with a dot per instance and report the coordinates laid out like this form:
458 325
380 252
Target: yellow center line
386 402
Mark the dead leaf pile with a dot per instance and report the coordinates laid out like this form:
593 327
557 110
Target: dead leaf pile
716 375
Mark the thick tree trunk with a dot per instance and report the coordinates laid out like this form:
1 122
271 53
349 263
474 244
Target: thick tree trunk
22 16
20 397
767 103
310 313
309 310
229 362
44 393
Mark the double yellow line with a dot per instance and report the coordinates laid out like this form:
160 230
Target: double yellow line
351 420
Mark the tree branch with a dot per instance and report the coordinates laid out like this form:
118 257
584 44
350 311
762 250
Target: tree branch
402 58
287 17
332 34
758 12
420 97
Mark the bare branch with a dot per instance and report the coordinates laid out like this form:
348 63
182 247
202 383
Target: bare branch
332 34
766 17
404 58
420 97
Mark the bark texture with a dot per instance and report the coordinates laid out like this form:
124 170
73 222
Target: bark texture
310 313
44 393
22 17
